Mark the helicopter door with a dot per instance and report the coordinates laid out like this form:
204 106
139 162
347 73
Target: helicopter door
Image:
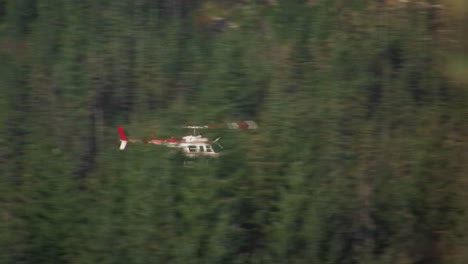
192 148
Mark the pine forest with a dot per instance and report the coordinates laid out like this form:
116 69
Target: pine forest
360 156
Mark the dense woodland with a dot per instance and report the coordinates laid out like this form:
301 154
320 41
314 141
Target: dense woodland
361 155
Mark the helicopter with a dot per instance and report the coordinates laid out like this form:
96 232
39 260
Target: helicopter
194 145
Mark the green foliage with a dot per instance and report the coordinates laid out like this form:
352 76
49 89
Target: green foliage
360 156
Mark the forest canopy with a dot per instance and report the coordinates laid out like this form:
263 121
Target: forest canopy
361 155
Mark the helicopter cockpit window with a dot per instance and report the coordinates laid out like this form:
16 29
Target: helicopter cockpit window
202 149
192 148
208 149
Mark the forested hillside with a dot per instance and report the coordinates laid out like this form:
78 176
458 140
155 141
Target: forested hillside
361 155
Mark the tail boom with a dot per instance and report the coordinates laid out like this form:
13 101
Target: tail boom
124 140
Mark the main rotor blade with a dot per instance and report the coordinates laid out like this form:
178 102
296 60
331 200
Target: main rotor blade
248 124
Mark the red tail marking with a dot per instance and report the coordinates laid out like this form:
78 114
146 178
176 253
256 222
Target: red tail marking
122 133
172 140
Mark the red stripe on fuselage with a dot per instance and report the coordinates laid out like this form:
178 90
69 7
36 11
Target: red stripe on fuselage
201 153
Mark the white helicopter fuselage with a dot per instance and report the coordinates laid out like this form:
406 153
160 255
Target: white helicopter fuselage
194 146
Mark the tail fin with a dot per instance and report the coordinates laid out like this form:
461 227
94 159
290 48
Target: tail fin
123 143
123 138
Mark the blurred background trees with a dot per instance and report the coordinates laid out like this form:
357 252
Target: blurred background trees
361 155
